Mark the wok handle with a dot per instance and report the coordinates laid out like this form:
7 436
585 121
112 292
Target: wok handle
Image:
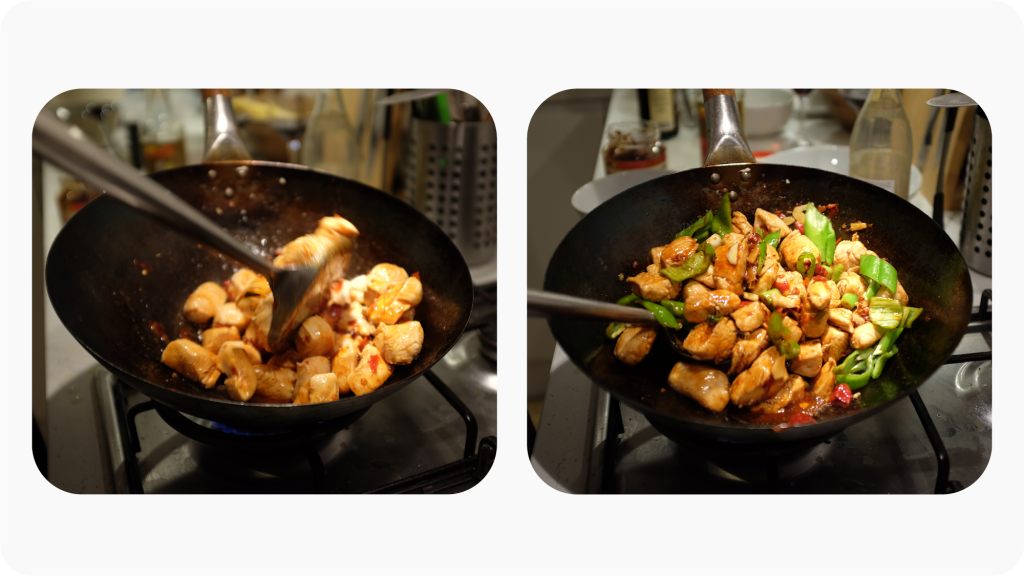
222 140
551 304
52 140
726 144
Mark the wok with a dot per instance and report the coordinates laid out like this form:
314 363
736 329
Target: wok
95 280
616 237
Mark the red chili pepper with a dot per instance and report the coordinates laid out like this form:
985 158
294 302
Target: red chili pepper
799 226
819 278
336 286
841 395
782 285
800 419
374 362
335 313
820 270
185 333
226 284
745 302
416 275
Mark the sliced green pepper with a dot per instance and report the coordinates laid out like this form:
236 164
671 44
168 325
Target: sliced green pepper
790 349
694 265
885 313
880 362
614 329
768 296
693 229
836 272
769 240
854 381
818 229
847 364
849 300
874 268
627 300
721 222
661 314
807 271
676 308
872 290
911 314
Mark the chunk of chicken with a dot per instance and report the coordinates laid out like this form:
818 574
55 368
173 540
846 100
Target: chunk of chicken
310 367
202 304
749 315
793 246
345 361
731 266
834 343
332 226
214 337
634 344
239 282
656 255
224 354
851 283
792 391
370 373
814 323
711 341
765 220
745 351
841 318
826 380
901 294
319 388
259 326
732 238
700 303
808 363
819 296
795 332
229 314
401 343
345 292
706 385
769 273
192 361
865 335
381 278
833 289
314 337
740 223
391 305
653 287
707 278
848 253
255 292
353 321
677 251
237 365
329 240
762 380
274 383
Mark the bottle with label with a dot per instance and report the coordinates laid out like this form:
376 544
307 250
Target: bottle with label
881 144
329 143
659 106
160 135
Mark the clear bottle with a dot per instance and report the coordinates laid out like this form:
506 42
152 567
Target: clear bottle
330 143
160 136
881 144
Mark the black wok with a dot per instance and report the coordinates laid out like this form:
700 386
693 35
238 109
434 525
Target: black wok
95 280
616 237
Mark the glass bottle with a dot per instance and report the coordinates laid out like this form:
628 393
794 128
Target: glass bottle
659 106
329 143
881 144
160 136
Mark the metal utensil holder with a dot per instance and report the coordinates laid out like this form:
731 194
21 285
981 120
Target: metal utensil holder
451 175
976 232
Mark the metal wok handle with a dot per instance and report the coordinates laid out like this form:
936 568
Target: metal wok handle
52 140
222 139
726 144
548 304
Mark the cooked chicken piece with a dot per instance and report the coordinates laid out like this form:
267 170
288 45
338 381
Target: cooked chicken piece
834 343
762 380
769 274
836 295
707 278
401 343
745 351
345 292
740 223
332 226
353 321
678 250
391 305
819 296
656 255
370 373
711 341
381 278
310 367
791 391
706 385
795 332
765 220
239 282
733 238
865 335
901 294
731 265
345 361
634 343
808 363
700 303
841 318
214 337
257 290
274 382
851 283
192 361
793 246
652 268
814 323
314 337
202 304
225 354
229 315
330 239
287 359
237 365
796 285
653 287
848 253
319 388
826 380
750 316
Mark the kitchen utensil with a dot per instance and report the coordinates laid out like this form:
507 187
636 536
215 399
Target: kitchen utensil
976 231
117 277
552 305
615 234
409 96
939 201
952 100
933 113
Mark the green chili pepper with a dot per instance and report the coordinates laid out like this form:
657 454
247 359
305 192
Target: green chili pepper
768 296
880 271
676 308
849 300
614 329
885 313
880 362
661 314
700 225
790 349
807 271
773 239
854 381
627 300
721 222
837 271
694 265
769 240
872 290
911 314
818 229
847 364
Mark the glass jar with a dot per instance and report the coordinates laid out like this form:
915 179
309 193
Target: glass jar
633 145
881 143
161 135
